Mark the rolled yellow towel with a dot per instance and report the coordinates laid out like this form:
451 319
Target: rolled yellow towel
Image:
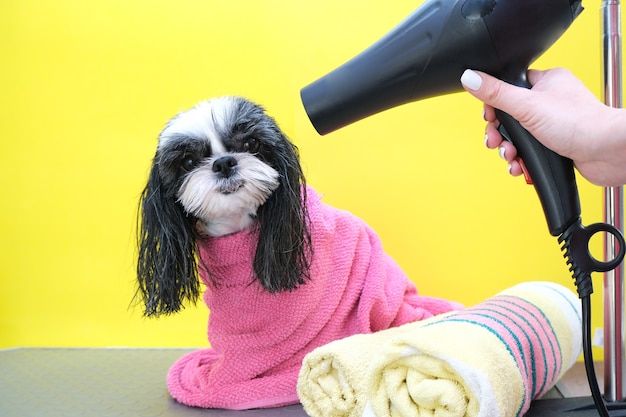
488 360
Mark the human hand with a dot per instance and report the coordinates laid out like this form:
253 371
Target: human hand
563 115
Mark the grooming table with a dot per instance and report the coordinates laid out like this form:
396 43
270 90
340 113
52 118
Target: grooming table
42 382
115 382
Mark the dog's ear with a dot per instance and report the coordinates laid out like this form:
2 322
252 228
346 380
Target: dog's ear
284 249
166 238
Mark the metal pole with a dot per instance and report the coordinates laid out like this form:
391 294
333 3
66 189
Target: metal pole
614 331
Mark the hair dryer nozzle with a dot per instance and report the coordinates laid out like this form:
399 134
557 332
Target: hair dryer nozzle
395 70
425 55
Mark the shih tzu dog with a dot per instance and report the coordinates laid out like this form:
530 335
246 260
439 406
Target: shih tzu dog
220 168
226 203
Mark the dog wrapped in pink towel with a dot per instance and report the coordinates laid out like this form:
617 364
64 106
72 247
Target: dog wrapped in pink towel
258 339
284 273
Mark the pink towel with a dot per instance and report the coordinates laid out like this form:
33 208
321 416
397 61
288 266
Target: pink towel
258 339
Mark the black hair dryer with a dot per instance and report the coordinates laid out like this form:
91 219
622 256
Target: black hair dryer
425 56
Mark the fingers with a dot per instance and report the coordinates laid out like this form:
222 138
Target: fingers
515 169
489 113
498 94
506 150
493 138
472 80
493 92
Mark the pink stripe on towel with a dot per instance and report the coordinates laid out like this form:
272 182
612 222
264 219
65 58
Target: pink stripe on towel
528 335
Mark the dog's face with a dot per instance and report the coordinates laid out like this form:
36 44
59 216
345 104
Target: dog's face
219 160
219 168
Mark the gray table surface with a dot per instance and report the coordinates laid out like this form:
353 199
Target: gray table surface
119 382
112 382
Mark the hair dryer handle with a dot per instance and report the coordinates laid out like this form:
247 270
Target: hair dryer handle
552 175
555 183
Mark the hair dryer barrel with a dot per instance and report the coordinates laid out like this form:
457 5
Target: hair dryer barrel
425 55
397 69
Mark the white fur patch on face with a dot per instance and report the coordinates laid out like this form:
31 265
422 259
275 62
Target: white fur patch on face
224 203
204 120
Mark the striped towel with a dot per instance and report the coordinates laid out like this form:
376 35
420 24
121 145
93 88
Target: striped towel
488 360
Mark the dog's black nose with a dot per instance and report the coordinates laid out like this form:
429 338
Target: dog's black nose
225 166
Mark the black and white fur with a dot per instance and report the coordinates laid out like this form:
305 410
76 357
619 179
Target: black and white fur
219 168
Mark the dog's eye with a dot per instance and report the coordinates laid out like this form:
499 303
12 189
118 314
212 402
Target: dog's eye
189 163
251 145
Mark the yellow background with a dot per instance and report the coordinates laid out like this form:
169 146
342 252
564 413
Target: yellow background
87 85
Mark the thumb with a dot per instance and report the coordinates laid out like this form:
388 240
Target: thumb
492 91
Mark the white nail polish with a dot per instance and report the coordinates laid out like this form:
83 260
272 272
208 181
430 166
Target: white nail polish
509 168
502 153
486 139
471 80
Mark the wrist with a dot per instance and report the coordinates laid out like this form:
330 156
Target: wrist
608 148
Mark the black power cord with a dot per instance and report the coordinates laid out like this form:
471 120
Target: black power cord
575 242
588 357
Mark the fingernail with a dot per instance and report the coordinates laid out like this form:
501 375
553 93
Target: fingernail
509 168
486 139
502 153
471 80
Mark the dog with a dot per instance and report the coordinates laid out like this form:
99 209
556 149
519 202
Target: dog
227 204
220 168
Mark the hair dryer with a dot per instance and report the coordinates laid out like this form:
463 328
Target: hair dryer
425 55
